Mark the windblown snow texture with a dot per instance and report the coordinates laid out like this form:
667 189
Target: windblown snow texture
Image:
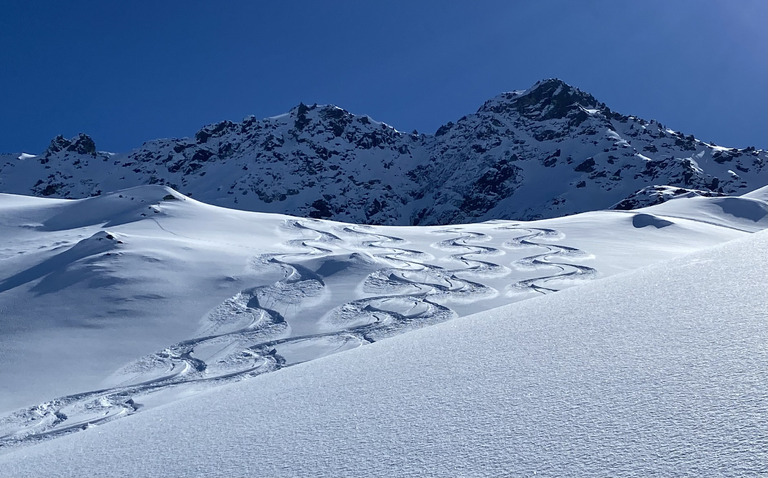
545 152
661 372
120 302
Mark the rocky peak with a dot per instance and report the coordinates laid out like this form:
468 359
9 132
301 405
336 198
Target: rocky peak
59 143
327 117
547 99
214 130
80 144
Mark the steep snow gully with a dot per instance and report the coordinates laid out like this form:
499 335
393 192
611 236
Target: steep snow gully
327 300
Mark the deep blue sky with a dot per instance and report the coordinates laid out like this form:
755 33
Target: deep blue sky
126 72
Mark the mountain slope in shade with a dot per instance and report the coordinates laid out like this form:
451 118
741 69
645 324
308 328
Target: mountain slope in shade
659 372
543 152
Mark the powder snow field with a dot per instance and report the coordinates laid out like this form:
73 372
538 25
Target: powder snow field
123 304
659 372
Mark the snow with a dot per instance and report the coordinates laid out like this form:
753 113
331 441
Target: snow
662 371
760 194
142 302
718 148
744 213
280 117
118 310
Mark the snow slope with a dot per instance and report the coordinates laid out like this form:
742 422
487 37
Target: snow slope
144 295
662 371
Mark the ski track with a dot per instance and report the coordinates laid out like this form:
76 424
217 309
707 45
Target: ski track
552 258
250 333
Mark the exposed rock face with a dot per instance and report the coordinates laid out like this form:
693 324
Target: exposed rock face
80 144
547 151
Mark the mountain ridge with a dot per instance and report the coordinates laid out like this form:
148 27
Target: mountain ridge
546 151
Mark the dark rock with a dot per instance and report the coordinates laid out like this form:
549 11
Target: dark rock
587 166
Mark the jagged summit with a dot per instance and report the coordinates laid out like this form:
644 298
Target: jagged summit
547 99
80 144
546 151
556 88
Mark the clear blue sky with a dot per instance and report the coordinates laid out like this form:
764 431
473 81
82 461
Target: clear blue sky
129 71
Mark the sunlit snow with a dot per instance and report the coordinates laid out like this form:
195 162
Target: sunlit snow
190 339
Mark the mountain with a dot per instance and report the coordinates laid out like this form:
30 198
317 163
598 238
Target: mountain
544 152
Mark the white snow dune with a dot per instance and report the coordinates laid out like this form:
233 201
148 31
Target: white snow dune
662 371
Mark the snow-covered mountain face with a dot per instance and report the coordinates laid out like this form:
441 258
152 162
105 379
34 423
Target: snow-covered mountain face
544 152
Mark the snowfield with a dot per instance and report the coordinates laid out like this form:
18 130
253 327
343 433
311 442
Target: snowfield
217 335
